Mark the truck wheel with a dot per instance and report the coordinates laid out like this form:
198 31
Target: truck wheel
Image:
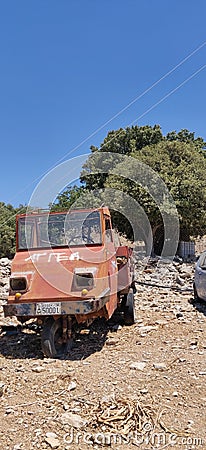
129 309
51 339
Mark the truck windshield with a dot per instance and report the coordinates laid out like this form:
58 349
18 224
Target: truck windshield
59 230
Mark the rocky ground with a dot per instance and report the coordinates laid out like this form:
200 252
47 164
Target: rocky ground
121 387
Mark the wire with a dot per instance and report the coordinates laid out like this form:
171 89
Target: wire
197 49
139 117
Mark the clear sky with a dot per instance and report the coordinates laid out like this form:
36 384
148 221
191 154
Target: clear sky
68 66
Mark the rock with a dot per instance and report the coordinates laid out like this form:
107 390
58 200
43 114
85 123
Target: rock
9 411
66 407
179 315
38 369
161 322
5 262
172 269
1 389
49 361
175 394
185 271
72 386
147 329
194 343
51 439
112 342
190 422
160 366
51 435
138 365
180 281
144 391
74 420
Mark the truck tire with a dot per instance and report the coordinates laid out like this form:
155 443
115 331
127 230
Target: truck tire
51 339
129 309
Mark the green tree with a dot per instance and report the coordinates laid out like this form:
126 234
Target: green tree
182 167
179 160
67 198
185 135
8 229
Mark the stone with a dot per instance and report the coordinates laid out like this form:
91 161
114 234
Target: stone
72 386
38 369
160 366
9 411
161 322
1 389
66 406
52 440
5 262
180 281
74 420
179 315
147 329
51 435
138 365
144 391
112 342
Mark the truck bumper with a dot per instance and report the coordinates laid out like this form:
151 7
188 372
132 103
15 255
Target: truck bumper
73 307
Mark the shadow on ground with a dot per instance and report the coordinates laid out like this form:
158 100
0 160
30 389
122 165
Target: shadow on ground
24 342
200 305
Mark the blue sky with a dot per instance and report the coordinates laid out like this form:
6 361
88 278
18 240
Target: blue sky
68 66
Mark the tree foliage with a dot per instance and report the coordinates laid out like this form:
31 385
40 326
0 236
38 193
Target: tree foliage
8 229
183 168
67 198
179 160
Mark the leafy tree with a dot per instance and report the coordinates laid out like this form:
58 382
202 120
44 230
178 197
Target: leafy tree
186 136
122 141
8 229
67 198
179 160
182 167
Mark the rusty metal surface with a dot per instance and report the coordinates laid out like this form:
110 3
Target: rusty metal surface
50 275
75 307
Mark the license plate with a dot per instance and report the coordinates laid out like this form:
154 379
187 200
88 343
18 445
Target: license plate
48 309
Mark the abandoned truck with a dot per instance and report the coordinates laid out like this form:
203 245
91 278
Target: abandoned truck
69 268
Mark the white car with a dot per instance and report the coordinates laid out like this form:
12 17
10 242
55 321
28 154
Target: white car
200 278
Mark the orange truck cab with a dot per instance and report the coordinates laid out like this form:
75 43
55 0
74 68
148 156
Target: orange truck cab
69 267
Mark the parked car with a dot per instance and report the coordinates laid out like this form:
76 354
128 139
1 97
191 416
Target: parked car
200 278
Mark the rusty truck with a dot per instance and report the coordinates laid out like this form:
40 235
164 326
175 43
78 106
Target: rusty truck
69 268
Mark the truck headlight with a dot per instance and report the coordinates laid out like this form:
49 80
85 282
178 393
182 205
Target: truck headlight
83 280
18 284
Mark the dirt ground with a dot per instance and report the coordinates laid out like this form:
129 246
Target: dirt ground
121 387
